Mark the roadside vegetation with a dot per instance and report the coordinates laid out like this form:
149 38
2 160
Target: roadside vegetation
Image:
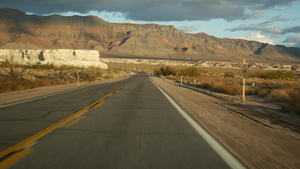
278 86
15 77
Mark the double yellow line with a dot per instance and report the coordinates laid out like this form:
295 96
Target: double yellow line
5 156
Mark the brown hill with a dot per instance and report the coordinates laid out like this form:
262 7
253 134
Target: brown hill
19 30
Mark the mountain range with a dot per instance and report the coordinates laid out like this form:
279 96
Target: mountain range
21 31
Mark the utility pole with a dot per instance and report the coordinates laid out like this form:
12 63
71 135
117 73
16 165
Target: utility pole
244 79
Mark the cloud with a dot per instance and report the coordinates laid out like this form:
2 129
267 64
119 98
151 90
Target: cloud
256 14
131 21
256 36
257 28
188 28
279 18
293 40
154 10
295 29
266 30
178 11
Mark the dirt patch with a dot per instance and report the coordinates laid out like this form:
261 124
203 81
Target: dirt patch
256 141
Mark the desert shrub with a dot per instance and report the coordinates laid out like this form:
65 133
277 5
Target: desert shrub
12 79
191 72
15 85
284 94
89 76
289 96
229 74
225 87
276 75
12 70
4 64
262 92
47 66
259 73
165 71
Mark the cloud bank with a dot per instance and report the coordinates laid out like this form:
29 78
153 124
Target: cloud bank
154 10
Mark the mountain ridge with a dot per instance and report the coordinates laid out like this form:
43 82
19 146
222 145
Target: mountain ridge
19 30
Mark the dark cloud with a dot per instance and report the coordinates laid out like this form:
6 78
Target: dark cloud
266 30
293 40
257 28
177 11
152 10
295 29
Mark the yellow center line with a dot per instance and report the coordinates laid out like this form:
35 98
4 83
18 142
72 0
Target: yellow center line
97 105
13 159
75 120
42 133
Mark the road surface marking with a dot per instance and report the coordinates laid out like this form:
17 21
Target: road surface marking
223 153
74 121
19 146
97 105
14 158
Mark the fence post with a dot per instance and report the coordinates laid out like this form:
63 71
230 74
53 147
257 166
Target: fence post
181 80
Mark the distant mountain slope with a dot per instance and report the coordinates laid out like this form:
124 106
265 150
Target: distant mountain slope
19 30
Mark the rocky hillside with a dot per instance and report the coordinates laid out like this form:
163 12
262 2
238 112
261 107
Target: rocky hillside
19 30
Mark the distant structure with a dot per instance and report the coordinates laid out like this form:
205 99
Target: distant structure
57 57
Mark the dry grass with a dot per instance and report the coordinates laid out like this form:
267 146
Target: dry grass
287 95
14 85
226 87
277 86
28 77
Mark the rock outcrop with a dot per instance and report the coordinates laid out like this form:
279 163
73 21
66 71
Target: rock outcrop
57 57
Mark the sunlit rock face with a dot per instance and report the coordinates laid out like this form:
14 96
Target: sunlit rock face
57 57
21 31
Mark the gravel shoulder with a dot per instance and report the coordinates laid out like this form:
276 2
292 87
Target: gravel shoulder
240 127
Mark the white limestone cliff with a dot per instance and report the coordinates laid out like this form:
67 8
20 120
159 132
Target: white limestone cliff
206 64
57 57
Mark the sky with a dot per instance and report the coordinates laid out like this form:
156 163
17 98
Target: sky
267 21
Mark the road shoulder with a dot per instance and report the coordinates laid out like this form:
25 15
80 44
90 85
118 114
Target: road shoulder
257 145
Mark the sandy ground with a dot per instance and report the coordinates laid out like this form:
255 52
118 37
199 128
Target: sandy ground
241 127
257 142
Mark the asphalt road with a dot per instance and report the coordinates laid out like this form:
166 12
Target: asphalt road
136 127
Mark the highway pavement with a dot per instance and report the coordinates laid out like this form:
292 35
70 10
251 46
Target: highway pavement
122 125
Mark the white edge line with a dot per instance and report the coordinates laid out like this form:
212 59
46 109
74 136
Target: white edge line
223 153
